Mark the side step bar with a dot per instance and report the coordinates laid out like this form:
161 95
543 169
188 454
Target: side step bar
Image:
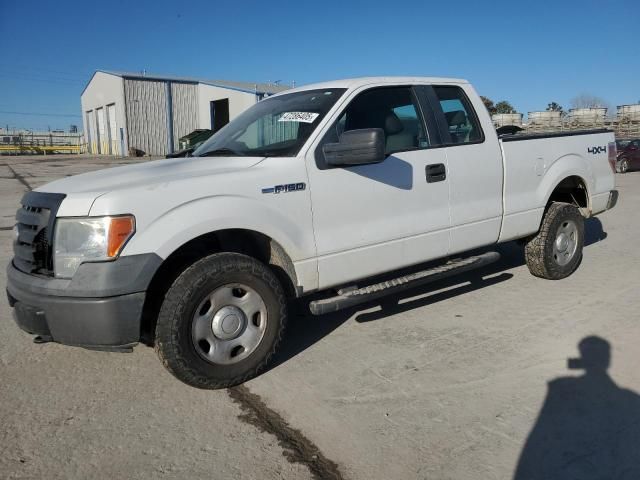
348 297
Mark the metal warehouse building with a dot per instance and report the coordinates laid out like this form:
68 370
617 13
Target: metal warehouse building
127 111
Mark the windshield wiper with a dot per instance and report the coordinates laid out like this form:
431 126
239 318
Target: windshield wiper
219 152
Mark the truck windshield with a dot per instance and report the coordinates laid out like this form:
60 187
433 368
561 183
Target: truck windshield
274 127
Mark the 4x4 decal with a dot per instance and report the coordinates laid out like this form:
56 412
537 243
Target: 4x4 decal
597 150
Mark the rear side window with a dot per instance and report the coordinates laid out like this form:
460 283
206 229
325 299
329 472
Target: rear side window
460 117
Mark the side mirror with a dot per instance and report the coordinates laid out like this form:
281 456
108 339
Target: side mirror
356 147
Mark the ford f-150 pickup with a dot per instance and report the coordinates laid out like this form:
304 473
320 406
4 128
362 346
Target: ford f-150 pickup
334 187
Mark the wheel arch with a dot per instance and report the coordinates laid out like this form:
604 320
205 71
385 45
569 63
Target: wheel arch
568 179
235 240
572 189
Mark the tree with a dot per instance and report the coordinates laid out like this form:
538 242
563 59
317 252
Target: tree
489 104
586 100
504 107
501 107
555 107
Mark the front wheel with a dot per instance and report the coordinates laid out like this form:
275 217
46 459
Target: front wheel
221 321
555 252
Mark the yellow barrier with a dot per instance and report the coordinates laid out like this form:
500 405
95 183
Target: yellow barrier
22 148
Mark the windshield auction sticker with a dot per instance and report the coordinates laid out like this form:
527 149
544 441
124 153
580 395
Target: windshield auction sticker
304 117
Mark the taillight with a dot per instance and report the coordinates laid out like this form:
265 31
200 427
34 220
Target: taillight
613 150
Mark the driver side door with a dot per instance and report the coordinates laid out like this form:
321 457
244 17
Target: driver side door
370 219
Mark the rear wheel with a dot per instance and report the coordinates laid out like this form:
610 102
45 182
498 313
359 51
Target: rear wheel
555 252
624 166
221 321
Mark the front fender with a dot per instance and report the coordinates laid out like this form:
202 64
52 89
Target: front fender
189 220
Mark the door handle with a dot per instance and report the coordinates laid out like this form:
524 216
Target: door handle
436 172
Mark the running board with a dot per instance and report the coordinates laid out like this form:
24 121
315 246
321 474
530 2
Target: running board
348 297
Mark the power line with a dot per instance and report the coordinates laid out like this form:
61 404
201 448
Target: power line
45 79
81 75
36 114
16 129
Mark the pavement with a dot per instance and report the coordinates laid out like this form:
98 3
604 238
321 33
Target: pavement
464 379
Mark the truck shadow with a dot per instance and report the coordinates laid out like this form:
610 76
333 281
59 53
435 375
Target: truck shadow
588 427
394 172
593 232
304 329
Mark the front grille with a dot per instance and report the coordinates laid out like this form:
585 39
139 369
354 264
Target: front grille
35 222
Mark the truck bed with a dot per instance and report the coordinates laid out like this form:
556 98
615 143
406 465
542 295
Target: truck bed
534 163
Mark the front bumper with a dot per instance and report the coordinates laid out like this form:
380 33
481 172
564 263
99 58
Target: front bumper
101 307
103 323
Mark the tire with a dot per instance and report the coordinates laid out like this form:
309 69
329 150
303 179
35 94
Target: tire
220 279
624 166
544 253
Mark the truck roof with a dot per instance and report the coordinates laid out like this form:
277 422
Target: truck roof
363 81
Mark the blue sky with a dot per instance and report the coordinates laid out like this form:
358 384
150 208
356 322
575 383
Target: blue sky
529 53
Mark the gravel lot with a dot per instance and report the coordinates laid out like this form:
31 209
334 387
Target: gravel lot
443 382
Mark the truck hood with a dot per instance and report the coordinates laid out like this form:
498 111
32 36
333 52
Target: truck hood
83 189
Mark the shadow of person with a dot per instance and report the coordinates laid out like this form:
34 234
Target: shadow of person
588 428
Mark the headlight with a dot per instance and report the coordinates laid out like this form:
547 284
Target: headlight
91 239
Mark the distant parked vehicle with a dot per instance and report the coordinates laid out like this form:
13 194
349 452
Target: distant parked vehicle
628 157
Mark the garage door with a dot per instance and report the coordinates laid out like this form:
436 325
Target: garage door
184 106
146 109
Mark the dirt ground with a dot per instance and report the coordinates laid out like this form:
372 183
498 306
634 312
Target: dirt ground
465 379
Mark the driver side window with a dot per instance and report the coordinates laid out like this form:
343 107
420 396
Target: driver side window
393 109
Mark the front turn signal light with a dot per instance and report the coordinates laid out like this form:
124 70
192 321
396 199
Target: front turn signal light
120 230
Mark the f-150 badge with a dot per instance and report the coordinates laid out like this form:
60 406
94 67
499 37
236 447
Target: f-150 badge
290 187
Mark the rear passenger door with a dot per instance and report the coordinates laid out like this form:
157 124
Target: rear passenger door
474 165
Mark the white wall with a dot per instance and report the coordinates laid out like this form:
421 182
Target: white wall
104 89
238 102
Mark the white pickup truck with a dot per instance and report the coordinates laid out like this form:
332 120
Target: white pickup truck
320 188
